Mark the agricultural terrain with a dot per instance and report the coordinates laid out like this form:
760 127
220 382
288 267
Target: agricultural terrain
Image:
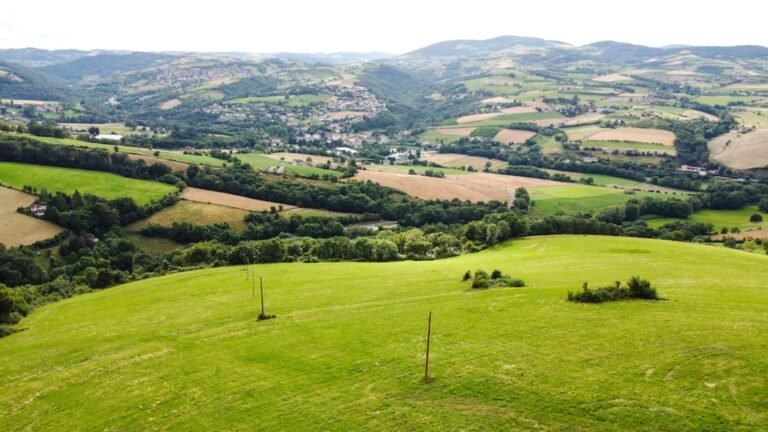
19 229
346 350
69 180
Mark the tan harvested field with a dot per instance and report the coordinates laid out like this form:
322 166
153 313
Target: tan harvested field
756 234
176 166
477 117
583 119
691 113
341 115
741 151
170 104
229 200
291 156
473 187
519 110
651 136
462 132
583 132
197 213
17 229
612 78
455 160
513 136
497 100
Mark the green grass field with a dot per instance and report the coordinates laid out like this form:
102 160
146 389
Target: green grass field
262 162
184 352
419 169
627 145
68 180
168 155
580 198
435 137
301 100
720 218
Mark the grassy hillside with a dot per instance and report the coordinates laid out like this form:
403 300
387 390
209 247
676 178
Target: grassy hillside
68 180
184 351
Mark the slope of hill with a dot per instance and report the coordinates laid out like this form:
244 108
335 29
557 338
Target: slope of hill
23 83
105 64
345 352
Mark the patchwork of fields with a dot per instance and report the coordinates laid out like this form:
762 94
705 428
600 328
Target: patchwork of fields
185 351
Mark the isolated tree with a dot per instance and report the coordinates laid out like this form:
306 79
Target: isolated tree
93 130
756 217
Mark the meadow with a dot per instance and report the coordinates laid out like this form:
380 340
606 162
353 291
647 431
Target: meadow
721 218
346 351
580 198
262 162
68 180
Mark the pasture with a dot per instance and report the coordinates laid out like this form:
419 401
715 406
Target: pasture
721 218
69 180
18 229
578 198
346 351
262 162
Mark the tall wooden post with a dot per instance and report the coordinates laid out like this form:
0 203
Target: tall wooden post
261 288
253 285
429 336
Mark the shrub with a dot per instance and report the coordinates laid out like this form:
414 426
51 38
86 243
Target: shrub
635 288
756 217
497 279
467 276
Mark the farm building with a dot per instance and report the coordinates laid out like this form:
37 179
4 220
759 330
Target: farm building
109 137
693 169
38 210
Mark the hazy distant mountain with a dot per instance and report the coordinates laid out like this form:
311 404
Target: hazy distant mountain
105 64
34 57
333 58
479 48
20 82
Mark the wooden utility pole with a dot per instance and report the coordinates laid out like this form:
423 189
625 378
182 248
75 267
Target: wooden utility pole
253 285
429 336
261 288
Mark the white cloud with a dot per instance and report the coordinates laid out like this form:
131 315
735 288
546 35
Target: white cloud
342 25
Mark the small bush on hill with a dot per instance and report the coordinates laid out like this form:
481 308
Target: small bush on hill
635 288
481 280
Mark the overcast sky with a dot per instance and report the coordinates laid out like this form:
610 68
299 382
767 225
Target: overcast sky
394 26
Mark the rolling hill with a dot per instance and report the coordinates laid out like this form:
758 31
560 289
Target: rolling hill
345 352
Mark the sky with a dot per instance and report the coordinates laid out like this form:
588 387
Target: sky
392 26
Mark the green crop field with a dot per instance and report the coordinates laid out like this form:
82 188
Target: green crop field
579 198
68 180
175 156
346 351
301 100
628 145
262 162
721 218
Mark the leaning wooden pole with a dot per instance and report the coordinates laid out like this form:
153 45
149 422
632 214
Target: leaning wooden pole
429 337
